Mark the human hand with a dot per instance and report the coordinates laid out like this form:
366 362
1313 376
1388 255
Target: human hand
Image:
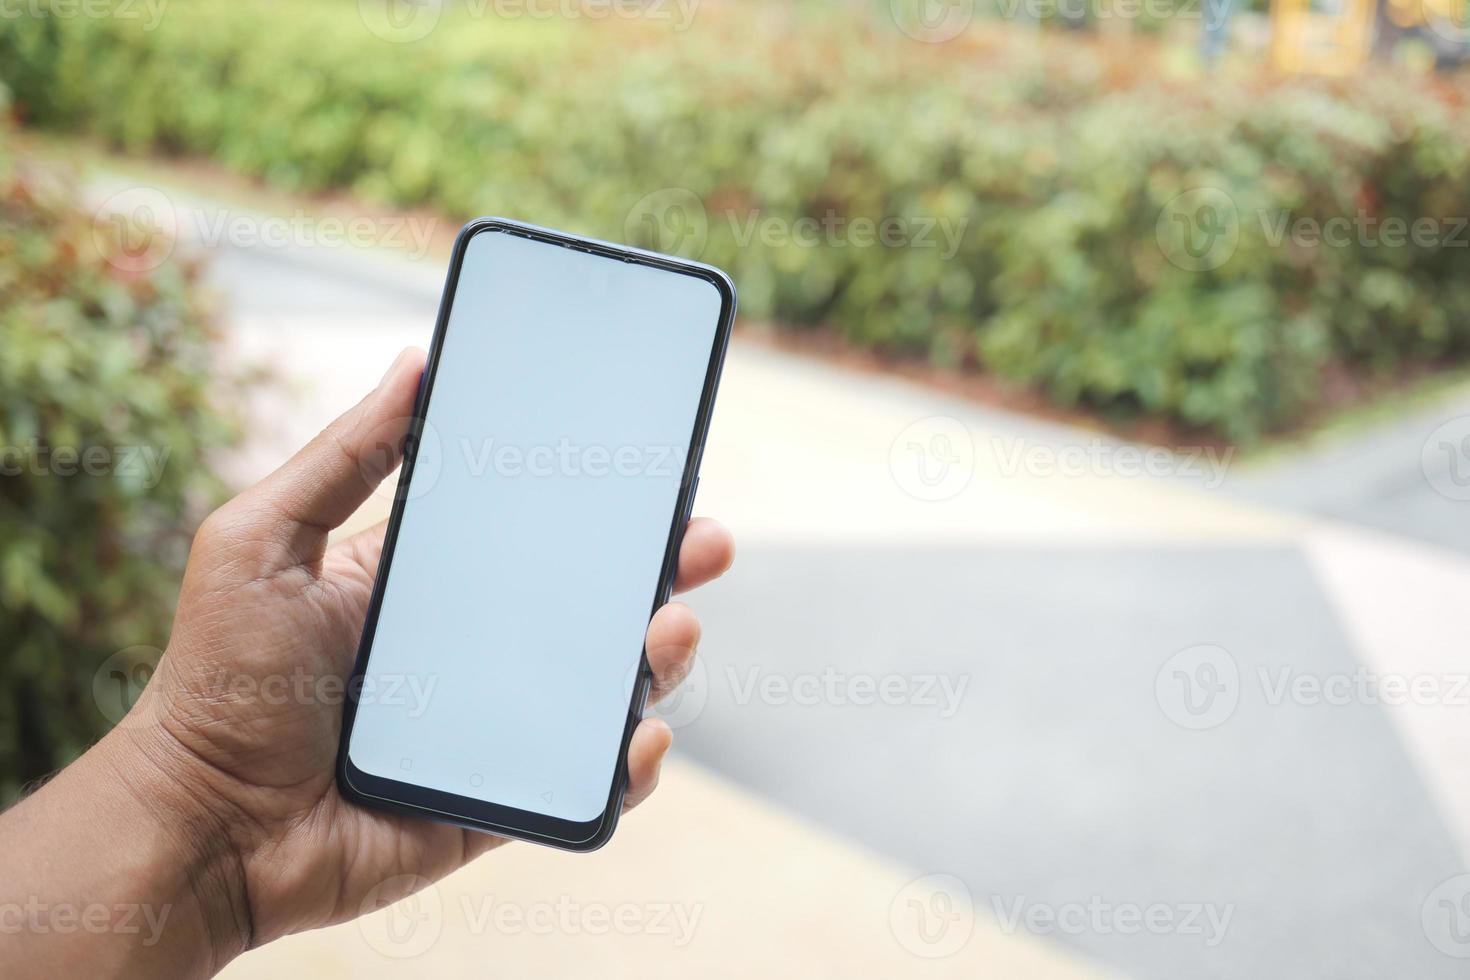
245 780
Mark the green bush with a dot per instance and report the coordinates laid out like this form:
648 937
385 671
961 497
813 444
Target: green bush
1057 167
108 392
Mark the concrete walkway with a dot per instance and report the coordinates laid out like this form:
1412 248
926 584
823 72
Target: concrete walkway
1409 476
982 694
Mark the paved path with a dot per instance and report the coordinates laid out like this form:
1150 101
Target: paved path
1082 689
1409 476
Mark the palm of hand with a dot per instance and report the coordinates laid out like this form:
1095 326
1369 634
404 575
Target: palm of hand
250 692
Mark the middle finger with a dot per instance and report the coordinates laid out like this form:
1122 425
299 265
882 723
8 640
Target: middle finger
672 637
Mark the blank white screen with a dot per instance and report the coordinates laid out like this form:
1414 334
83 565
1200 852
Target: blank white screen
531 544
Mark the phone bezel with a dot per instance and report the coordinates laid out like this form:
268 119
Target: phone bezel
464 811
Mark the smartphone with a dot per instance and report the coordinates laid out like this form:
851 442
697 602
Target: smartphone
549 470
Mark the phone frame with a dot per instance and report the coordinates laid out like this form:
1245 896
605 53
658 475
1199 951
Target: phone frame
463 811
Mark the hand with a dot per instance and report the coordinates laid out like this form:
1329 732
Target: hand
247 781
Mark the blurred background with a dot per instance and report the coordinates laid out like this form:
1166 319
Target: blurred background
1096 435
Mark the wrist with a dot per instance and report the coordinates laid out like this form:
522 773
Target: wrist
193 850
115 872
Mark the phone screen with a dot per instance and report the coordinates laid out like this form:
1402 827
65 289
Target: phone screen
535 526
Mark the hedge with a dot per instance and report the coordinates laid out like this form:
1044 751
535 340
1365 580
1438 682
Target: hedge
110 403
784 148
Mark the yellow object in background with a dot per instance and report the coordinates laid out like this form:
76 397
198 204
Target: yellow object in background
1321 42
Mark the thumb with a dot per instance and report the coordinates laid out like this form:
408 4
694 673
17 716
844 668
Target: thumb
320 487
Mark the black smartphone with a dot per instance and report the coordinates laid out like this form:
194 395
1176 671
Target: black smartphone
549 470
